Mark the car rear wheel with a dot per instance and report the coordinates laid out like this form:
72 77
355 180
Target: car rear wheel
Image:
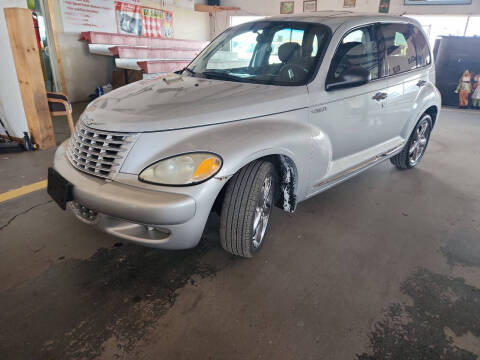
246 208
414 149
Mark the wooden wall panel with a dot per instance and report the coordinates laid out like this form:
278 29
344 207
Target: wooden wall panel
29 73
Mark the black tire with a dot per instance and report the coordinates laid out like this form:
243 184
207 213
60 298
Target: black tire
242 196
403 160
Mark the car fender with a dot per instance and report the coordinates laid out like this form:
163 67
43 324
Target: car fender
289 134
427 97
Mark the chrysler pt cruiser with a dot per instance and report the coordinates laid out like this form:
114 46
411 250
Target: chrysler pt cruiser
270 113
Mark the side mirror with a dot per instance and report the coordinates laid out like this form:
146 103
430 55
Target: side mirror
354 76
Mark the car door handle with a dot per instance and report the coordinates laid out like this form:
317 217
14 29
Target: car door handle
379 96
421 83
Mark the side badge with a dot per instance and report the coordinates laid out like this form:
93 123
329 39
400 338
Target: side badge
319 109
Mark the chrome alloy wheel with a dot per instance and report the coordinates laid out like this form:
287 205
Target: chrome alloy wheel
419 143
262 212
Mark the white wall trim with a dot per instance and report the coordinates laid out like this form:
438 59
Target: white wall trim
11 103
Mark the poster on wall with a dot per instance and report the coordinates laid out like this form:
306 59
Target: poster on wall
287 7
310 6
349 3
384 6
92 15
124 17
438 2
139 20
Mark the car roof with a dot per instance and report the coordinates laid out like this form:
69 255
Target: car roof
334 19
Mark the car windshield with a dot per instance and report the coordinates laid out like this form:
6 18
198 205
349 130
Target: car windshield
265 52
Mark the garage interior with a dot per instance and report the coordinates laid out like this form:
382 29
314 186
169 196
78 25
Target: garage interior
383 266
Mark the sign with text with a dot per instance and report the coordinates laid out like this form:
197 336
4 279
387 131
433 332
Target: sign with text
124 17
88 15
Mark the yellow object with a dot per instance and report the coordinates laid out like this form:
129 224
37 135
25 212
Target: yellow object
206 168
24 190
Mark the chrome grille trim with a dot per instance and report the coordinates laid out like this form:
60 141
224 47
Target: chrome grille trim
97 152
100 161
78 152
121 142
81 143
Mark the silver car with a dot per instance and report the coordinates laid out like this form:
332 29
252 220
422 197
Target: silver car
271 113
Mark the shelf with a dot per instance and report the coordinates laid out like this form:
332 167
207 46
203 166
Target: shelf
211 9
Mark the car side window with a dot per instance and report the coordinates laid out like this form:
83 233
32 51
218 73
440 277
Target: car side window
401 54
423 51
358 48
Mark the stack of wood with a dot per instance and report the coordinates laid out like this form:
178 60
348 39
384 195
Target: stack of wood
140 56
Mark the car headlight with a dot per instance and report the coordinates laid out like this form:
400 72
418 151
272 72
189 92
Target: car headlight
186 169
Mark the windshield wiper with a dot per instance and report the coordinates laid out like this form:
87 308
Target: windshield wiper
189 70
221 75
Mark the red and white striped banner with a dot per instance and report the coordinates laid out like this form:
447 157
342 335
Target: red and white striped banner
133 19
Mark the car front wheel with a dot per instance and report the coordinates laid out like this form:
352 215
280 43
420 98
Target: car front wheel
246 208
413 151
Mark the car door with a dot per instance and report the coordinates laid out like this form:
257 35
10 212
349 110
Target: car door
352 118
402 66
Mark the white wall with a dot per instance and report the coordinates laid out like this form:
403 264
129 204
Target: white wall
272 7
84 72
11 105
189 24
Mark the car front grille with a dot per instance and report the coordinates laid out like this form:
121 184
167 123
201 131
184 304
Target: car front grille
97 152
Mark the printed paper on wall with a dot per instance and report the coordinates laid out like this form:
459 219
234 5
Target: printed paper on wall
143 21
124 17
384 6
91 15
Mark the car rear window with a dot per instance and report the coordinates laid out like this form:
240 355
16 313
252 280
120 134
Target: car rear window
421 45
401 54
405 48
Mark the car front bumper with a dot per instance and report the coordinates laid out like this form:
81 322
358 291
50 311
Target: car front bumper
169 218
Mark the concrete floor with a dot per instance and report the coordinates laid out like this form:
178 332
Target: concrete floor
384 266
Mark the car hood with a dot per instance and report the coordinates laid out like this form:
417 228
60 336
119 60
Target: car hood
178 101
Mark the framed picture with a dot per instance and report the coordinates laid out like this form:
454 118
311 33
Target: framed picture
384 6
286 7
349 3
310 6
437 2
